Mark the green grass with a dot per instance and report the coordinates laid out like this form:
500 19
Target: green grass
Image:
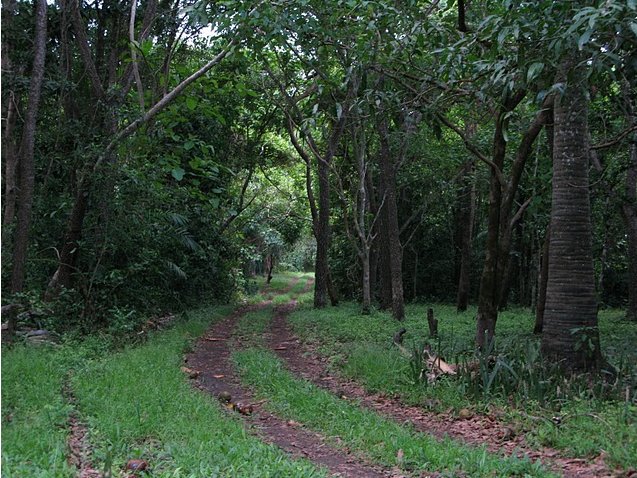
34 413
360 348
365 431
138 404
252 325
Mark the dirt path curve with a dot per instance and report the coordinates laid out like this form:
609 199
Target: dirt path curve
211 357
477 430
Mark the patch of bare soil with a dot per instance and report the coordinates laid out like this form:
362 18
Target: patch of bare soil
211 359
78 444
476 429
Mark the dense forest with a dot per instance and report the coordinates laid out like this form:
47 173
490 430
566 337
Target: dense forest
472 161
160 153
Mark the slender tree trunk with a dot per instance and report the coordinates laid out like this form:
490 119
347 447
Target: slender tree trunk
542 281
500 221
10 106
629 206
388 174
570 331
489 284
367 295
384 268
27 163
10 157
464 221
322 237
70 247
374 274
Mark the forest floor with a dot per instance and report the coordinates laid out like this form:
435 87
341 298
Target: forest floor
275 388
212 356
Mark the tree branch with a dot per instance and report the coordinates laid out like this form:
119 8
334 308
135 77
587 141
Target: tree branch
163 103
472 148
85 52
133 52
615 140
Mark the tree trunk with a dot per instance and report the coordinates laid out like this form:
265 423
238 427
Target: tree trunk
367 295
464 221
543 280
10 157
388 176
502 194
322 234
384 269
570 332
70 247
27 163
10 106
488 300
629 208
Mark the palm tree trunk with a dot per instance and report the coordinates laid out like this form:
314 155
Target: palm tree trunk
570 331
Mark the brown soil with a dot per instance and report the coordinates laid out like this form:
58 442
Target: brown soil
211 358
305 362
79 447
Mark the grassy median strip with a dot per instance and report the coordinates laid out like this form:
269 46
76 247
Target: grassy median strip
34 413
138 404
364 431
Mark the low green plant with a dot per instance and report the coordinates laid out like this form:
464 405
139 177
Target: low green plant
510 374
34 413
366 432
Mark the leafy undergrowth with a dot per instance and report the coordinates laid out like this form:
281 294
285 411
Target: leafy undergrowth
365 431
592 420
139 405
34 413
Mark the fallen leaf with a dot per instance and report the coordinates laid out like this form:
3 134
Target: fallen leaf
136 465
190 372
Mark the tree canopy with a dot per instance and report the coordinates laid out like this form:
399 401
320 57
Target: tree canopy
158 154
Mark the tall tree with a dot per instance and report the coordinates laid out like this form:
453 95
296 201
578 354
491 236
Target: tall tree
629 203
570 332
26 161
389 211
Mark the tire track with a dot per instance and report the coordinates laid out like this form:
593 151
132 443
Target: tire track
477 430
211 358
